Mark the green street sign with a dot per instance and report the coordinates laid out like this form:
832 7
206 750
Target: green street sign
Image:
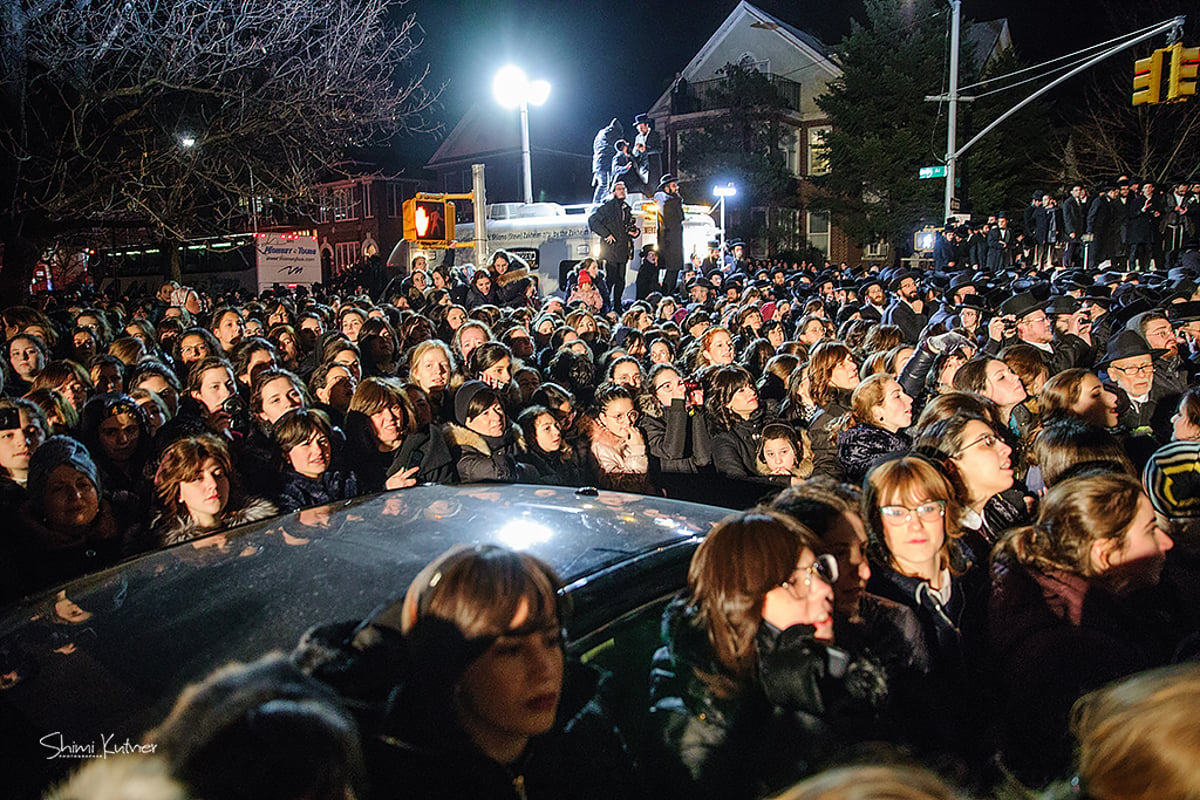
931 172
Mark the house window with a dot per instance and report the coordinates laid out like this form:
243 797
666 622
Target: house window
818 230
876 251
395 200
343 203
788 223
818 155
345 256
367 211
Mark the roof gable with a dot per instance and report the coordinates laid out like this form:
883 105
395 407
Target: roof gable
805 46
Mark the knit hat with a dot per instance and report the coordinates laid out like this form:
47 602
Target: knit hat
55 452
463 397
1172 479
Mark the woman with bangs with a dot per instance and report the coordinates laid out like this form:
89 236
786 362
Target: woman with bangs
912 514
309 479
1063 618
749 692
488 704
67 377
199 493
385 444
736 421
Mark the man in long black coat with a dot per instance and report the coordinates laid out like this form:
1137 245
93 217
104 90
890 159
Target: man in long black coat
670 231
1000 246
604 147
613 223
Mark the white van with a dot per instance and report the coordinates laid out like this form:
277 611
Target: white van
552 238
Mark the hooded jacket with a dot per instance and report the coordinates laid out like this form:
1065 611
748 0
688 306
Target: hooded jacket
677 438
487 459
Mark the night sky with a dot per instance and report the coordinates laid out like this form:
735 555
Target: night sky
615 58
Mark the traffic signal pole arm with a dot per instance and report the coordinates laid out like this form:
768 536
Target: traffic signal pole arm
1171 24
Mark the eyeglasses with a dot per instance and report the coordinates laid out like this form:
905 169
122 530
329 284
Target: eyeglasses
928 511
800 582
629 416
1144 369
988 440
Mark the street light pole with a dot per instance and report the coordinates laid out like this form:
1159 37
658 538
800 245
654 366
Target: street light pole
952 117
721 192
525 151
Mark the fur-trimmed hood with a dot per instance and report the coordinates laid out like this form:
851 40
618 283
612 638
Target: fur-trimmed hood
804 463
183 529
460 436
510 276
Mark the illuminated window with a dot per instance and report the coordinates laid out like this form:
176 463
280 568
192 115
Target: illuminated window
818 155
345 255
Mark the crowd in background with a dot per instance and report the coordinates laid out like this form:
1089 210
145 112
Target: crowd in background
972 491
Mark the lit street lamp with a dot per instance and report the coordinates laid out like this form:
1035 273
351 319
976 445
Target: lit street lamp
721 192
513 89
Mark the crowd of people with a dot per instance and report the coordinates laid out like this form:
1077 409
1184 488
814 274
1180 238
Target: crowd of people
971 493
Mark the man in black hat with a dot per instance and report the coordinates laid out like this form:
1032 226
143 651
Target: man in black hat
670 231
977 245
959 288
604 147
1075 214
907 311
625 169
1142 228
1000 245
1030 223
613 223
1024 317
1048 226
647 272
1129 368
712 262
1181 222
876 301
945 251
647 150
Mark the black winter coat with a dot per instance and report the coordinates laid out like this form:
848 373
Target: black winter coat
676 439
861 447
1054 637
614 218
670 231
487 459
804 702
824 443
734 451
299 491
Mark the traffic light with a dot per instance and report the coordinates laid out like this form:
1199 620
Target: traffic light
429 221
1181 82
1147 79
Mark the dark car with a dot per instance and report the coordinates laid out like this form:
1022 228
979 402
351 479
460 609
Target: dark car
90 666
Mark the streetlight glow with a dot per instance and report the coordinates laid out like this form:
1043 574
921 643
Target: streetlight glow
187 140
513 89
728 190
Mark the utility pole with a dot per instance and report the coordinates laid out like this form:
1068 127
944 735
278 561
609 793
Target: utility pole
952 118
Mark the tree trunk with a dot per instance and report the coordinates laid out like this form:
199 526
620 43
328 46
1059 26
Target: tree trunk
174 263
20 257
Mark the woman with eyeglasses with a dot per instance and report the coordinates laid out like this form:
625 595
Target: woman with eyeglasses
750 692
1070 611
618 447
912 516
979 464
676 431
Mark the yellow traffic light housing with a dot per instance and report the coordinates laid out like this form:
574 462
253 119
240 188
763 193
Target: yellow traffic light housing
1147 79
428 221
1181 82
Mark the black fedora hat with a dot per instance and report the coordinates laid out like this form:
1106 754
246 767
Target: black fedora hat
1127 344
1062 305
1184 312
1021 305
974 301
898 278
665 180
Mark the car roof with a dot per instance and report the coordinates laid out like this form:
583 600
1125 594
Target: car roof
108 653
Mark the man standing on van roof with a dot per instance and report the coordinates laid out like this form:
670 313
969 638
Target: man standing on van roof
647 149
613 223
604 148
670 231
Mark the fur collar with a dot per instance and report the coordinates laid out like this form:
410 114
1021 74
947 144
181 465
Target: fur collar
460 436
510 276
183 528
